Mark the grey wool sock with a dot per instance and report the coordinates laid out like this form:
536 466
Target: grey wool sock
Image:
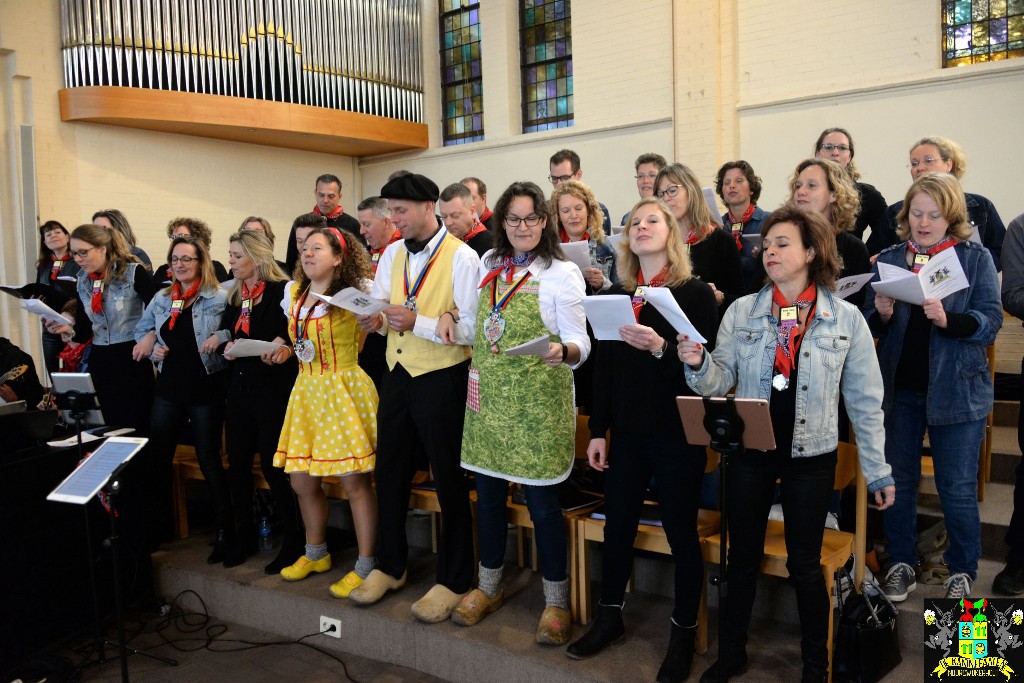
556 593
490 581
365 565
316 552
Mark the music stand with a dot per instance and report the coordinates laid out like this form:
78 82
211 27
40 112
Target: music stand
102 471
725 424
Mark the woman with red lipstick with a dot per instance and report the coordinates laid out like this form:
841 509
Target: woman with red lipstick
635 385
937 380
713 252
174 332
796 345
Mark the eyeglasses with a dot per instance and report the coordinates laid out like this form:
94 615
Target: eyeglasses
180 235
81 253
185 260
558 180
532 221
829 147
670 191
927 161
646 176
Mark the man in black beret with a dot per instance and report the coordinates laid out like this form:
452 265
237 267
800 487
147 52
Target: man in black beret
431 279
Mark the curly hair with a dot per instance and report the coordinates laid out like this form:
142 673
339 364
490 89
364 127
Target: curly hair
582 192
816 234
698 215
197 229
753 180
207 276
119 254
628 265
355 262
548 248
948 193
843 210
948 150
45 253
850 167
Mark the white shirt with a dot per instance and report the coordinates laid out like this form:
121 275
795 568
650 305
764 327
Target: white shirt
560 298
465 278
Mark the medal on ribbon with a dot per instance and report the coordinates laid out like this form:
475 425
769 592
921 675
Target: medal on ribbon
411 291
305 351
494 326
410 303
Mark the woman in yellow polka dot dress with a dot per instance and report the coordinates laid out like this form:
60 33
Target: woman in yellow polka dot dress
330 427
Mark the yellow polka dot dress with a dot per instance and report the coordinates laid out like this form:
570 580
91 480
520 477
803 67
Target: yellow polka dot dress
330 427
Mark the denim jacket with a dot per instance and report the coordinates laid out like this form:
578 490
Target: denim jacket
602 255
206 315
836 355
120 297
959 385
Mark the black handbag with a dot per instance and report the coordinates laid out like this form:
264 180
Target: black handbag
867 645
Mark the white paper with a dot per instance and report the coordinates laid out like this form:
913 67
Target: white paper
661 298
354 300
246 348
709 198
614 240
67 278
607 313
73 441
616 229
940 277
754 238
37 307
534 347
851 284
578 253
887 271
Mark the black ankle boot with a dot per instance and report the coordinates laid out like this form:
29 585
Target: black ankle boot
220 547
676 666
292 548
241 547
607 629
735 663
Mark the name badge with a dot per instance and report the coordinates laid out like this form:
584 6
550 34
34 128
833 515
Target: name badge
57 265
737 228
97 286
921 259
246 305
788 316
638 295
177 304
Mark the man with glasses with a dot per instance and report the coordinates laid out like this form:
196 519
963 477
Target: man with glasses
565 165
647 166
430 278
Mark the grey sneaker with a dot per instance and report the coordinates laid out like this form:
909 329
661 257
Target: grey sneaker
900 580
958 586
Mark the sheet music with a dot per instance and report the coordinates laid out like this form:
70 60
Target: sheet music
661 298
354 300
607 313
534 347
247 348
578 253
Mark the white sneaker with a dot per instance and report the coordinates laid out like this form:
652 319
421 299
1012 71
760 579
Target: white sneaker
958 586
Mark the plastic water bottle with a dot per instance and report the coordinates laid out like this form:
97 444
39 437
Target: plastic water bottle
266 542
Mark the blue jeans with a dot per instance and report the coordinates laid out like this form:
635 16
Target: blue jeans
955 453
548 525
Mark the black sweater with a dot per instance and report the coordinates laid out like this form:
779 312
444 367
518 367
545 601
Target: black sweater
717 260
266 322
633 390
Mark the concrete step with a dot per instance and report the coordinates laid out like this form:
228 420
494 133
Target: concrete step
995 511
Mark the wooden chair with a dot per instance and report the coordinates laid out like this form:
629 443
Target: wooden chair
836 546
649 538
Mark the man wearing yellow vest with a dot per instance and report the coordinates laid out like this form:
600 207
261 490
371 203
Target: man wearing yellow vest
428 276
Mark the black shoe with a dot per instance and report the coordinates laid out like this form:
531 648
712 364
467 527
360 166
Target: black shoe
607 629
220 548
243 545
679 658
292 549
1010 581
719 673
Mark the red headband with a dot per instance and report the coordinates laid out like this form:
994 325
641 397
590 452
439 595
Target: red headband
341 238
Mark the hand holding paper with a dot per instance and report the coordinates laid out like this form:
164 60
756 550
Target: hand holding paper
940 277
354 300
661 298
607 313
245 348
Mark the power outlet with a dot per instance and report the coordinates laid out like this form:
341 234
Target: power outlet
330 627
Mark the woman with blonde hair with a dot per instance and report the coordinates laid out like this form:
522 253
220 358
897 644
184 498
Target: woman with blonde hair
936 379
580 218
935 154
257 395
649 442
822 186
174 332
713 251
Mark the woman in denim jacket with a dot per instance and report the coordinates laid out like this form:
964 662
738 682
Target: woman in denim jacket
801 368
937 378
175 331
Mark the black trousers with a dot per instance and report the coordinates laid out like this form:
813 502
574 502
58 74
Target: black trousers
423 416
1015 532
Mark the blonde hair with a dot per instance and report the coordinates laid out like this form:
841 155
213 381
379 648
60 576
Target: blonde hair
258 249
947 192
628 265
262 221
948 150
595 216
843 210
207 276
119 254
697 212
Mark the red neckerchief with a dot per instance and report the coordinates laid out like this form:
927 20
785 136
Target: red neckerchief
249 297
564 236
58 264
741 222
486 215
692 238
97 292
178 299
375 253
791 336
334 214
930 251
638 299
477 229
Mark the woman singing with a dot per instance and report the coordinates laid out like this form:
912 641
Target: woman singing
54 264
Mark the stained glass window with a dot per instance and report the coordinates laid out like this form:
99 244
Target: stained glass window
545 33
981 31
461 84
